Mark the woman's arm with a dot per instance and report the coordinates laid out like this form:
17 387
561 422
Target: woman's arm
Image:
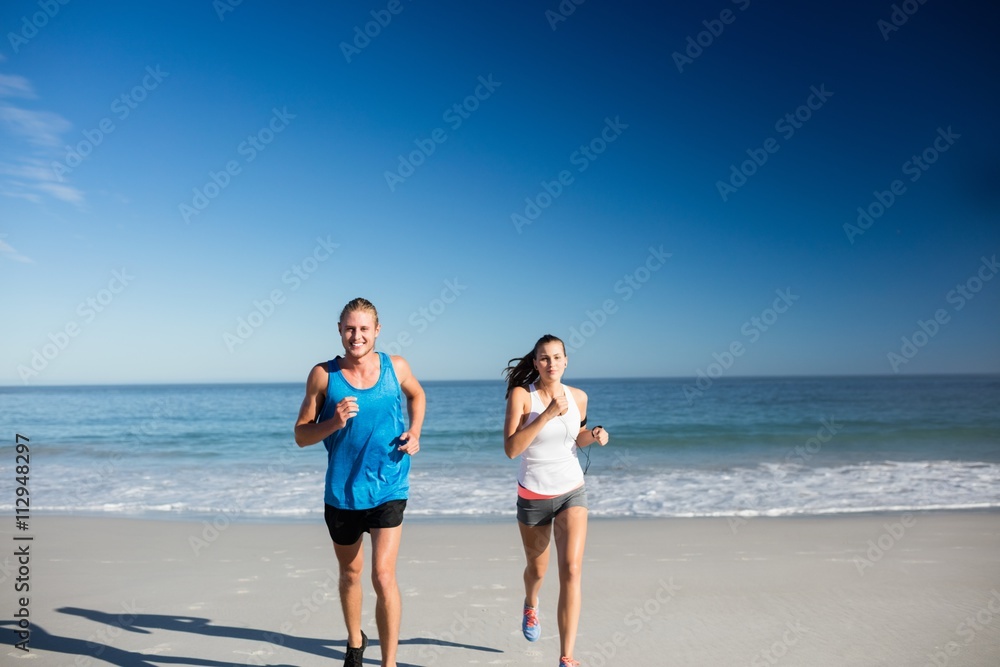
516 437
587 436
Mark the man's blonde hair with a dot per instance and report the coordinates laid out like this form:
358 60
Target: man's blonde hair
361 304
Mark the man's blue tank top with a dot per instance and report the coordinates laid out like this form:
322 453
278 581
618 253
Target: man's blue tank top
365 467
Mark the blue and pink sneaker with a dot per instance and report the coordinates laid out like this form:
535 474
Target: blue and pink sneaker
530 625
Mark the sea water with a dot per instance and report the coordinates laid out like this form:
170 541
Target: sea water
740 447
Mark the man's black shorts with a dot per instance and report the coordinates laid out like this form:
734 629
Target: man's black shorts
346 526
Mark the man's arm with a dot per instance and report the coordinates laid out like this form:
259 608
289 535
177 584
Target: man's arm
416 404
307 430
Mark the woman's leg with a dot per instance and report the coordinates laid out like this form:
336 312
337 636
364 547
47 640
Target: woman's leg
571 536
536 553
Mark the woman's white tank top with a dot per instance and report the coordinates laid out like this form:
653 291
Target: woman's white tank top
549 466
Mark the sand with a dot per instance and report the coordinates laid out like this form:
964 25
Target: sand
887 589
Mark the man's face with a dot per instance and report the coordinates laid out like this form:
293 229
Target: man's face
358 332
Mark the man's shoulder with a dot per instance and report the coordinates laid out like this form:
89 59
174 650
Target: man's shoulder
401 368
325 366
398 362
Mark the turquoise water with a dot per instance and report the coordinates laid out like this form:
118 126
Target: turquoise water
755 446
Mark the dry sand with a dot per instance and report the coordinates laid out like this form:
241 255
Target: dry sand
890 589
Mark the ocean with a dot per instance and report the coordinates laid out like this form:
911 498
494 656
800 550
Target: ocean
738 447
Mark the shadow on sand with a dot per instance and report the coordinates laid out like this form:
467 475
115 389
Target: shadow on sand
262 641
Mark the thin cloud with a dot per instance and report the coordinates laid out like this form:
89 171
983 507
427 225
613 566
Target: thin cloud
16 86
27 172
8 252
39 128
63 192
33 176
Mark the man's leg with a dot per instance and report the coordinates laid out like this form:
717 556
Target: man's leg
388 608
350 558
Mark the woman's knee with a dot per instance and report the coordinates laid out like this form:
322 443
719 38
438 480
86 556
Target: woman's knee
534 569
570 571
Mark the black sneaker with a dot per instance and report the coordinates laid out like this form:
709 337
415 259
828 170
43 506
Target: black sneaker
355 656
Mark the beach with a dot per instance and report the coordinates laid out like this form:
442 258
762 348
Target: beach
770 522
920 588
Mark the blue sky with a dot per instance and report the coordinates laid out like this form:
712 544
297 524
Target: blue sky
190 191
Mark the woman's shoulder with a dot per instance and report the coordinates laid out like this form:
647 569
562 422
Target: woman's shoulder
579 394
520 391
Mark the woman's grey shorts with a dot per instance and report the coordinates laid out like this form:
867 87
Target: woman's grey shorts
541 512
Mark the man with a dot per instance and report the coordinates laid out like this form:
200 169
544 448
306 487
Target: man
353 405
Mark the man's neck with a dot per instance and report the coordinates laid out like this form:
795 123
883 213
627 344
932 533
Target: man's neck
360 364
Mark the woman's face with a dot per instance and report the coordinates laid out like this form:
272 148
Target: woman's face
550 360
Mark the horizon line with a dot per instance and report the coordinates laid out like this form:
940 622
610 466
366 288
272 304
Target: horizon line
178 383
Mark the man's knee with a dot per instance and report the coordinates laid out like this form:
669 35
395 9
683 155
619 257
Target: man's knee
350 574
384 579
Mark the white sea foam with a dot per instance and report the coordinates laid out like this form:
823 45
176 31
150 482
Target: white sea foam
764 490
749 447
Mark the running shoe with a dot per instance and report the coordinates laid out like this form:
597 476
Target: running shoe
530 625
568 662
355 656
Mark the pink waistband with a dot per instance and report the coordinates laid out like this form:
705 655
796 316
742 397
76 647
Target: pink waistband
528 494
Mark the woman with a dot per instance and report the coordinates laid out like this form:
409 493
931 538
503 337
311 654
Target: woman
545 424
